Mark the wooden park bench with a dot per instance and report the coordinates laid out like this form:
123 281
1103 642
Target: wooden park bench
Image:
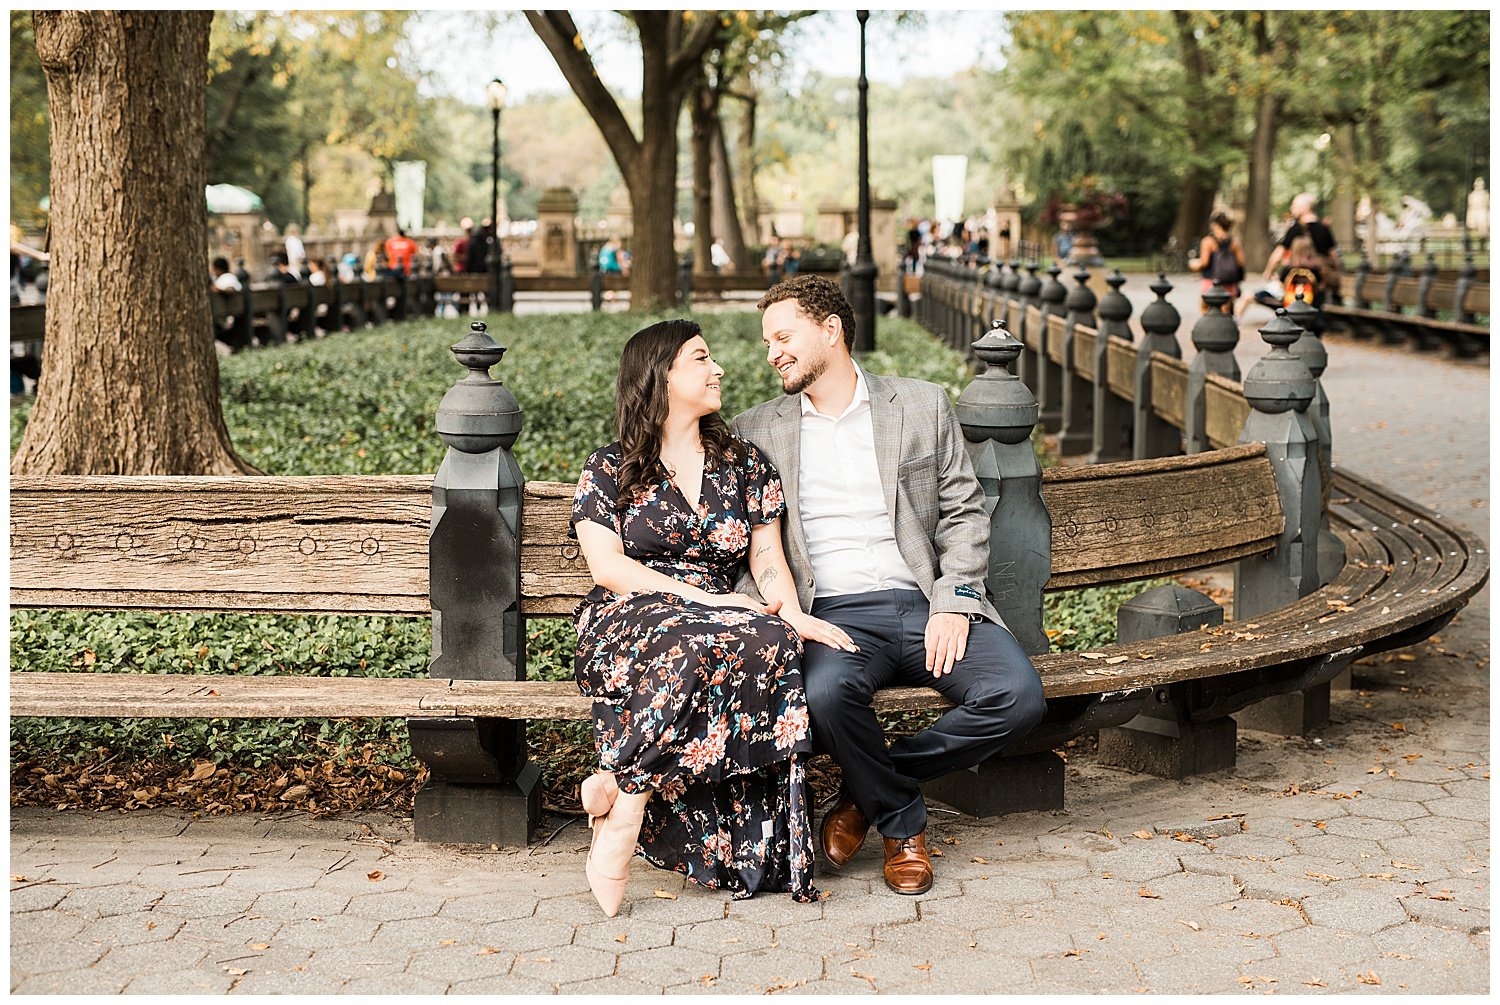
481 551
1397 307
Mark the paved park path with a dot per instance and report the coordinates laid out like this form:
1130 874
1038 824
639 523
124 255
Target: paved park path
1356 860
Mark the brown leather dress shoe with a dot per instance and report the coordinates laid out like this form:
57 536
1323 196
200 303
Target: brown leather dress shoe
844 829
908 867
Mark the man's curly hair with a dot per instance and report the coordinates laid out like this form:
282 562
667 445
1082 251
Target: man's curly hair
816 298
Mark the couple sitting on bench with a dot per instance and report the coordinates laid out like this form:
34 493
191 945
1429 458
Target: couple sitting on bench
711 685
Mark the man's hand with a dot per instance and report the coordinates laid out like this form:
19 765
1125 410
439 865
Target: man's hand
817 630
947 637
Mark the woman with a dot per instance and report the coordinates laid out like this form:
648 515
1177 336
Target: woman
1220 258
700 719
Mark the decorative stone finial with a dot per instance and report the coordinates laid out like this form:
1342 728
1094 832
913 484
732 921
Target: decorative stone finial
1279 382
1160 317
997 405
1215 331
478 413
1309 348
1081 299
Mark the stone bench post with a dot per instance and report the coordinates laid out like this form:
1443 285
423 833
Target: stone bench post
1154 436
998 412
1215 335
1049 385
1311 350
482 789
1112 416
1077 432
1279 389
1166 739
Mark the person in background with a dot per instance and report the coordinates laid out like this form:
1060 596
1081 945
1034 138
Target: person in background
718 257
1062 242
281 270
609 257
461 245
1220 258
317 272
223 280
1305 222
349 268
296 252
791 258
399 250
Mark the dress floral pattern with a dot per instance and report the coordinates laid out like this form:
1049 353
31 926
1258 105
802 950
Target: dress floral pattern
702 705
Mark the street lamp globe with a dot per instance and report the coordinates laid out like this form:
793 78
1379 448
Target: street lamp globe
495 92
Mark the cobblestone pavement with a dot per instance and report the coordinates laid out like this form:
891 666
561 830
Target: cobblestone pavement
1355 860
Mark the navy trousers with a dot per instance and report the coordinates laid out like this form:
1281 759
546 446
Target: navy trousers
997 692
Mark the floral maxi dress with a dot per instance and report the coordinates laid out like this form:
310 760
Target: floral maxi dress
701 705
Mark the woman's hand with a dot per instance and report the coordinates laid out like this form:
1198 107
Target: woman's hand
817 630
741 600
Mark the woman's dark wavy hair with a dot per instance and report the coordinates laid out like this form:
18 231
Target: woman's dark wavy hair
641 409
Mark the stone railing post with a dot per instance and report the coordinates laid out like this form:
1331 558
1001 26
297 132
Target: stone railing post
997 413
1028 294
1466 276
1310 349
1279 389
1111 413
1361 295
1078 395
1154 436
1215 334
482 788
596 286
685 282
1049 387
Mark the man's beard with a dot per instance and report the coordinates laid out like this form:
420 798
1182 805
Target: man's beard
815 369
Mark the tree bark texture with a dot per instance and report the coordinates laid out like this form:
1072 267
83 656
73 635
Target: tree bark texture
726 215
1199 186
130 378
749 201
1258 193
703 112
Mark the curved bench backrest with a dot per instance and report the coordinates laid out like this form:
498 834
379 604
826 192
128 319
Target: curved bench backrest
359 545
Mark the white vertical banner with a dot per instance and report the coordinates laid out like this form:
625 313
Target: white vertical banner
411 184
948 171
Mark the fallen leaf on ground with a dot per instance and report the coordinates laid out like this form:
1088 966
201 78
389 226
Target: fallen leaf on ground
1117 659
487 951
664 895
921 966
1092 656
261 946
1143 892
622 937
1367 978
202 770
1315 984
1144 835
375 877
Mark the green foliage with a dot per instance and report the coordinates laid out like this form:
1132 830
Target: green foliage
30 159
1083 620
364 404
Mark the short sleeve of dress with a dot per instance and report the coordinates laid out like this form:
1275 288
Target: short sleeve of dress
594 499
764 501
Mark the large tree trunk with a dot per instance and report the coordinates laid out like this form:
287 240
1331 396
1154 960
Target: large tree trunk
1258 196
653 183
749 199
1199 186
726 215
704 112
1345 194
130 379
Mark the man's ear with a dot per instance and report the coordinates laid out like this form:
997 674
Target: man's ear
833 330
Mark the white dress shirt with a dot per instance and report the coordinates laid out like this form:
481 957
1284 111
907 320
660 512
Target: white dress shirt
850 540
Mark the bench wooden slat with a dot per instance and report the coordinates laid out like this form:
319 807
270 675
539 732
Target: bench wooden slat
1122 368
358 545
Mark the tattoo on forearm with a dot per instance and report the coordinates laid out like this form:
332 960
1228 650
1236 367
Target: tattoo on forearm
766 579
765 550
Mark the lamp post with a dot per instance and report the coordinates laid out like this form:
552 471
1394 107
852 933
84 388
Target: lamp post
862 273
500 287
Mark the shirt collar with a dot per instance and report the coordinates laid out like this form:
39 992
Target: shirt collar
861 396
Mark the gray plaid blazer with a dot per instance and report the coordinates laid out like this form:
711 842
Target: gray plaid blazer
935 501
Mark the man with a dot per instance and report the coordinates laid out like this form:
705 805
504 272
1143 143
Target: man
1305 221
886 539
399 251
